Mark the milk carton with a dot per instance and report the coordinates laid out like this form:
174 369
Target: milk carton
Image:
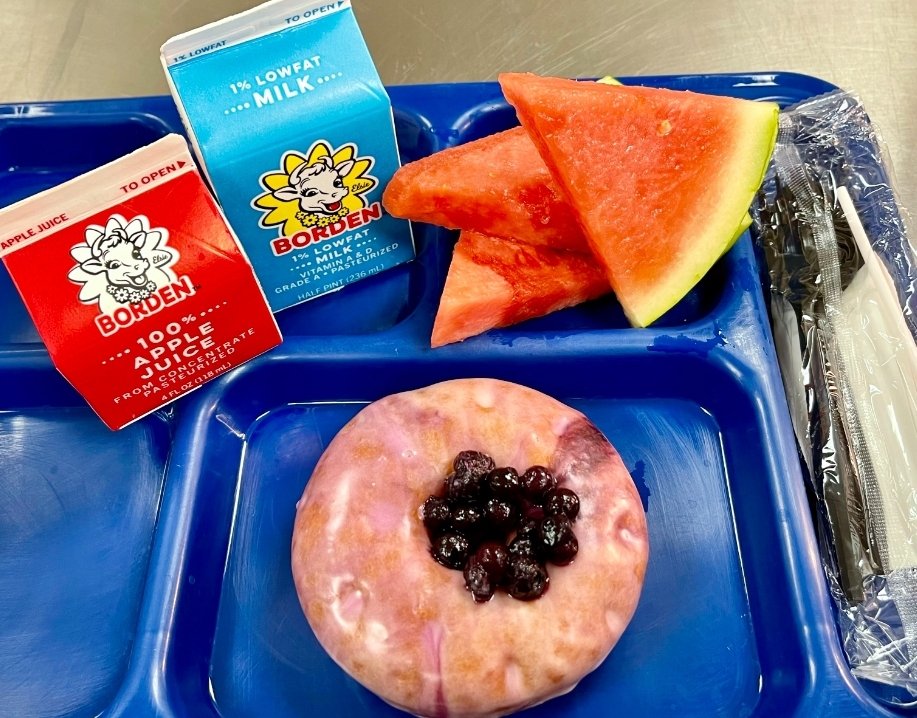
135 282
290 119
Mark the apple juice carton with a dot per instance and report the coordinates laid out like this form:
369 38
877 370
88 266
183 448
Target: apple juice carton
135 282
295 132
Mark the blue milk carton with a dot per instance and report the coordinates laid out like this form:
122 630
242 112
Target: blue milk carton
295 132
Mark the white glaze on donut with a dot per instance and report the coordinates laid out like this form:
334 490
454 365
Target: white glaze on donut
403 625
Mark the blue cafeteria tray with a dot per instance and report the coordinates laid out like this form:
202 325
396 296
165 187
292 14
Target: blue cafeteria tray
146 572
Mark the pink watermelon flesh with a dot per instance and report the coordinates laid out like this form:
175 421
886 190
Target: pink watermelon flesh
660 181
498 185
495 282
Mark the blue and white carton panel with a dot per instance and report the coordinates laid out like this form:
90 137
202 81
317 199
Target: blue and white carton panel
295 131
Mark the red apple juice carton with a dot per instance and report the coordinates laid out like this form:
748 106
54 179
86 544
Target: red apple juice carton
135 282
294 129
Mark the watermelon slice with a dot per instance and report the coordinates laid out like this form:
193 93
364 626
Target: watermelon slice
743 225
495 282
498 185
660 180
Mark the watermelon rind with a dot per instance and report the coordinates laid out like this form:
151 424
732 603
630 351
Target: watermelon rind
743 225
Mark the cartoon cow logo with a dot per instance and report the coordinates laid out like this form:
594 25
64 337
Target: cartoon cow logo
318 188
315 189
123 262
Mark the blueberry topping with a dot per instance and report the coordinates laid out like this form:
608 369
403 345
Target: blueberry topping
504 482
536 482
562 501
451 550
493 557
501 514
565 551
557 540
468 519
553 530
436 515
532 512
499 528
526 578
462 486
528 528
478 580
523 546
473 463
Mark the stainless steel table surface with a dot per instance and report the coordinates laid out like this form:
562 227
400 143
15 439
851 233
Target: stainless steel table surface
57 49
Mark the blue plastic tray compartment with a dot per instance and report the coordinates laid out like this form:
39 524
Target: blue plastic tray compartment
77 519
734 618
44 145
655 406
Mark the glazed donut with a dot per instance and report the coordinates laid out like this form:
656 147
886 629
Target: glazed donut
406 627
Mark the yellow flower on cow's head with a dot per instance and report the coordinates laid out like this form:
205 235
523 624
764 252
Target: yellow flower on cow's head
315 189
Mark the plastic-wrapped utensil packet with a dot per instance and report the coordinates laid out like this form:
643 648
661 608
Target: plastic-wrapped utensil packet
844 312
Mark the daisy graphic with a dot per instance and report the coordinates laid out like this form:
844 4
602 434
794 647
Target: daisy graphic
314 189
123 262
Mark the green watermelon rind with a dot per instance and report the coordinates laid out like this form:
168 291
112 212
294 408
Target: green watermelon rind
743 225
668 294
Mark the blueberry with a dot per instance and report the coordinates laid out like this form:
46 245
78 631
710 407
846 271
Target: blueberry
482 506
473 463
553 529
478 580
451 550
532 512
469 477
462 486
501 514
565 551
536 482
528 527
562 501
468 519
554 539
493 556
504 482
436 515
526 578
523 545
